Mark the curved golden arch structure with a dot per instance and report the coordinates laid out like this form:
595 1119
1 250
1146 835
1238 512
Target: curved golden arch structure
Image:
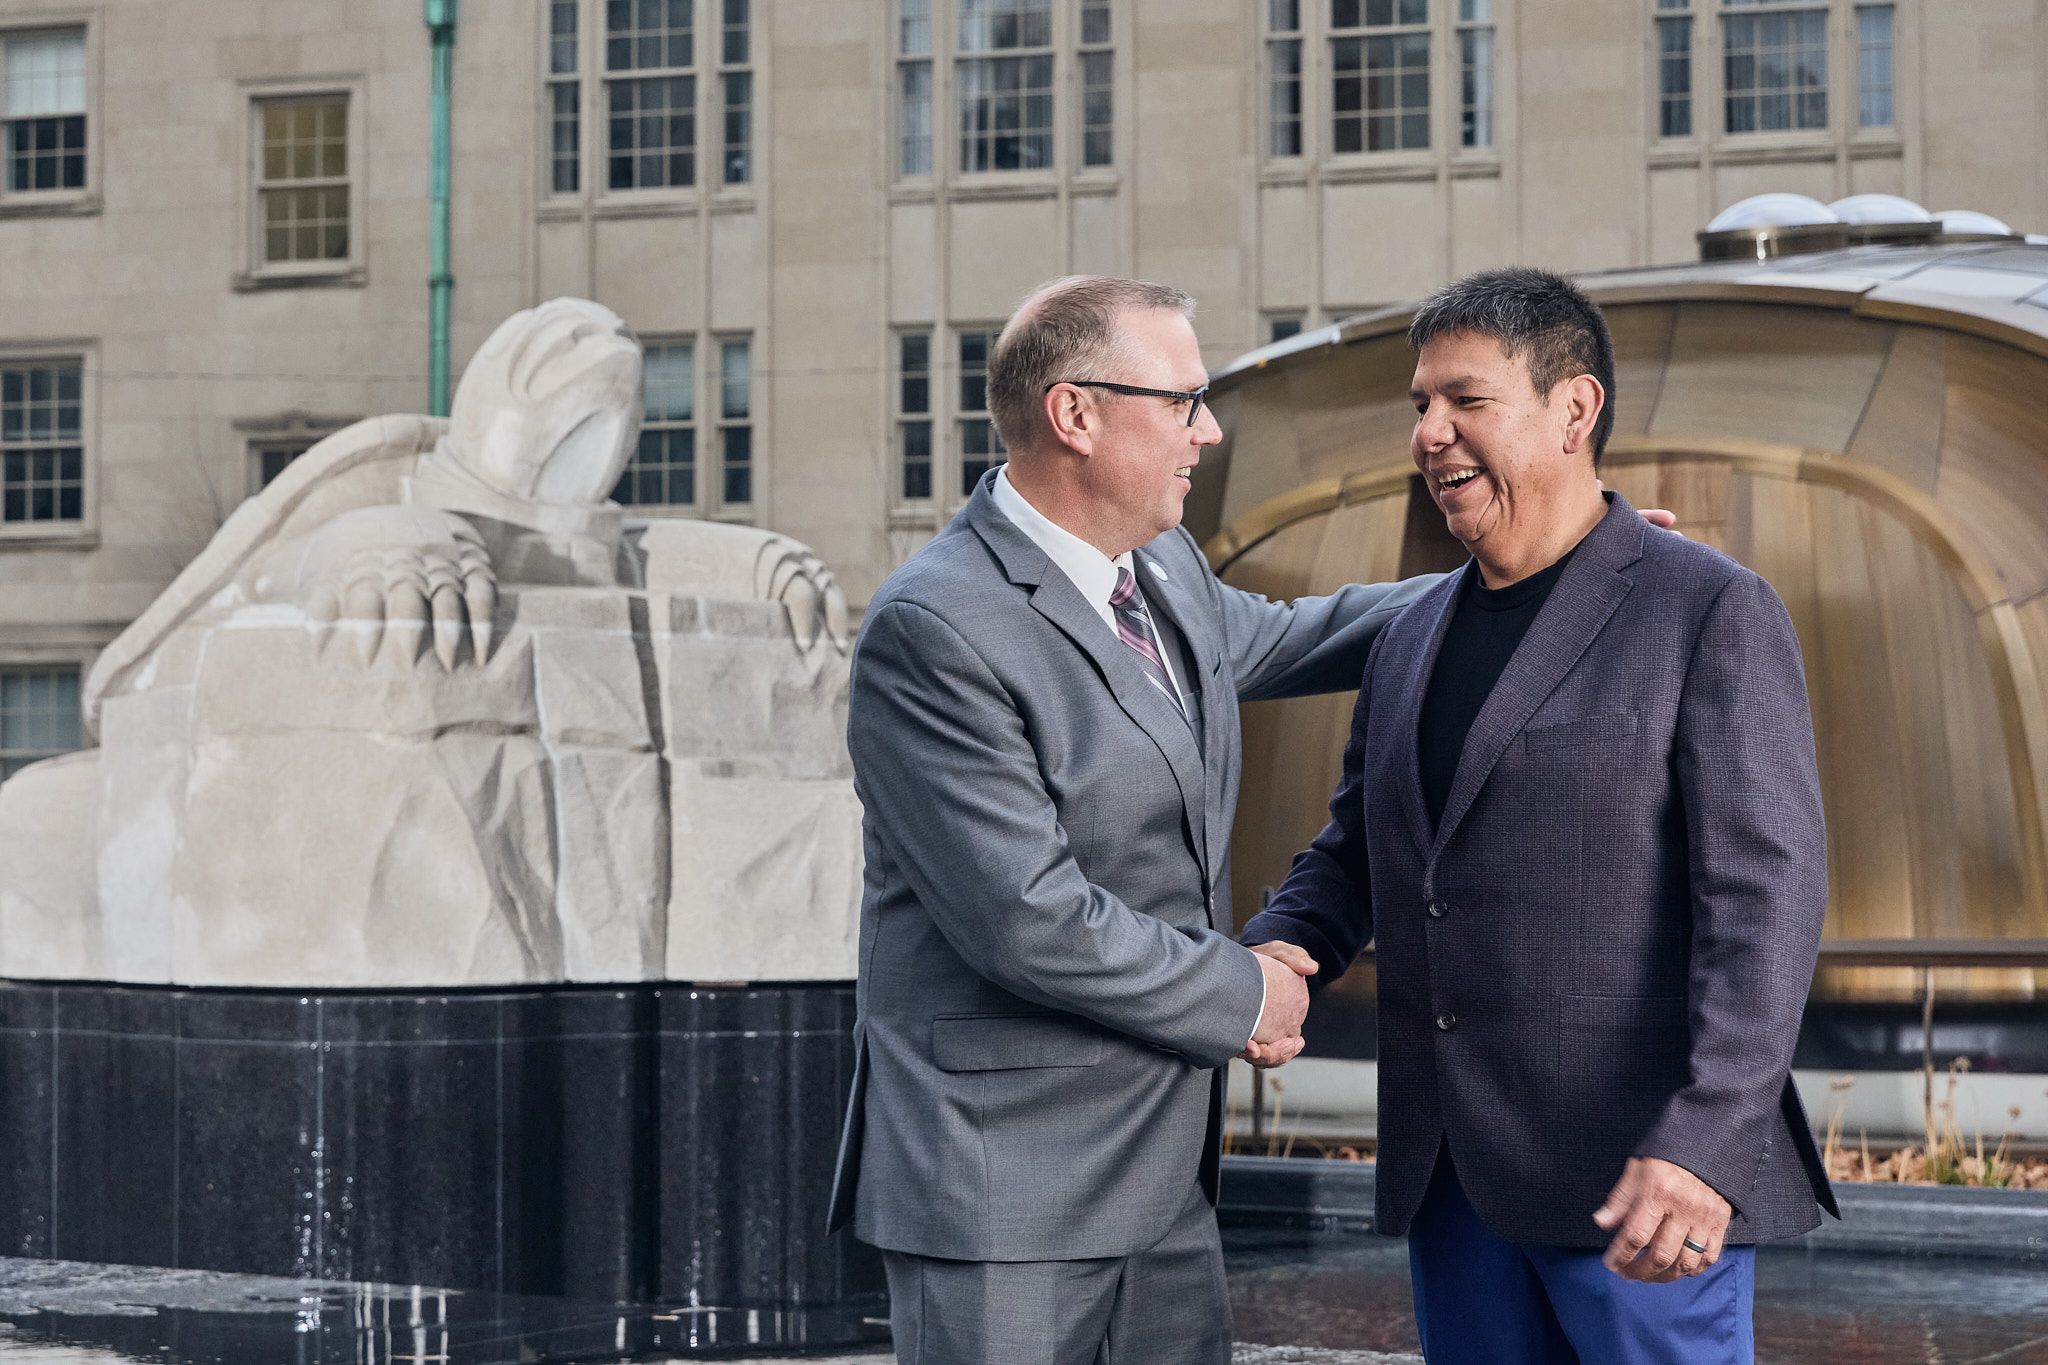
2015 679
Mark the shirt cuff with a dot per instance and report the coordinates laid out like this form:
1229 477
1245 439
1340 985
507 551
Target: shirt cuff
1263 990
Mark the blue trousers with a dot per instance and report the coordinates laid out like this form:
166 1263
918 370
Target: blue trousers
1480 1300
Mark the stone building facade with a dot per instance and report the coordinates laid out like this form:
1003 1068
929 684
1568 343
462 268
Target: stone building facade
214 218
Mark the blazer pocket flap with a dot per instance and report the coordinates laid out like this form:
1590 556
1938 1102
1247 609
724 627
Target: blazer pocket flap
1012 1042
1627 1011
1570 734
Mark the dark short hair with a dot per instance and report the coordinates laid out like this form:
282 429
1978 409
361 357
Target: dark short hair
1067 329
1541 317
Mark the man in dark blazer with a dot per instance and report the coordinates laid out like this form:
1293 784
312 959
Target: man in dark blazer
1580 819
1044 730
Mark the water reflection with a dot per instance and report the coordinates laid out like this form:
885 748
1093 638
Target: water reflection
198 1318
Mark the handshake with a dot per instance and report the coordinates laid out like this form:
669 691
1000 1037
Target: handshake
1278 1036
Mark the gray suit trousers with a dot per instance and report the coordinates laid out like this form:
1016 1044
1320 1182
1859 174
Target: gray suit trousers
1165 1305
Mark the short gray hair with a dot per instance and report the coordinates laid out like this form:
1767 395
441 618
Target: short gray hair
1065 330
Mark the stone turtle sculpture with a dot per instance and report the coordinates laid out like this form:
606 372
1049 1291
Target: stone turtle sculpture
429 710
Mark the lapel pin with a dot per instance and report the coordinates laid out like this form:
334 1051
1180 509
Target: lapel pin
1157 571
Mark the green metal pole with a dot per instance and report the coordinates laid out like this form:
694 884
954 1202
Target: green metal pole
440 283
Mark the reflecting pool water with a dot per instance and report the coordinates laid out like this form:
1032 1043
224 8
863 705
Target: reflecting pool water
1318 1299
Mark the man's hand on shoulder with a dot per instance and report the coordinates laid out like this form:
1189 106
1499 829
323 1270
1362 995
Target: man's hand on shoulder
1278 1036
1655 1210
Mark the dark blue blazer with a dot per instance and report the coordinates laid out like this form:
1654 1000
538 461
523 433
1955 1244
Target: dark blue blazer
1604 948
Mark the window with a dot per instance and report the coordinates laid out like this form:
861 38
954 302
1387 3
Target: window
735 433
651 116
1776 65
1674 70
1098 86
735 50
1475 69
981 449
1380 75
914 409
1281 326
565 99
663 470
271 458
914 87
1873 66
38 715
1006 101
44 75
302 187
42 443
1283 78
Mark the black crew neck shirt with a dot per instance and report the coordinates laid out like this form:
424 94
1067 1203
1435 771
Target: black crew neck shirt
1487 624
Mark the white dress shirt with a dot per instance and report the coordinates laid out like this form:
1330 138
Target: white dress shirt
1094 573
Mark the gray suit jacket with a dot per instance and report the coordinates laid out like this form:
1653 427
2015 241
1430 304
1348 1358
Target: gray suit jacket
1048 983
1603 949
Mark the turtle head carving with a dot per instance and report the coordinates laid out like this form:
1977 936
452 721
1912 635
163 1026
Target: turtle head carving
549 409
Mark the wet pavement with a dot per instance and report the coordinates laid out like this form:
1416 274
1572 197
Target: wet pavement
1316 1299
1350 1291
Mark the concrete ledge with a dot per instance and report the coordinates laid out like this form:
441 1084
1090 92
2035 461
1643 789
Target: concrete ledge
1953 1220
1937 1220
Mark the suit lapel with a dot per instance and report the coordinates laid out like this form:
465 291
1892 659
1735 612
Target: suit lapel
1409 660
1578 608
1054 596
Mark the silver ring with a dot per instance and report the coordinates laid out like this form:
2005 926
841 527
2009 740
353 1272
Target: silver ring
1691 1245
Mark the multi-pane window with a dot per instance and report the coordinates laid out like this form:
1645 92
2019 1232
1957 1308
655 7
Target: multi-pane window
1379 64
1475 72
1098 86
44 78
1283 78
1006 97
736 82
302 186
735 413
565 98
1674 69
42 443
981 449
914 412
663 469
273 456
38 715
650 94
914 87
1776 64
1874 66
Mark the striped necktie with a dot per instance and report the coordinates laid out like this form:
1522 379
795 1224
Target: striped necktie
1134 628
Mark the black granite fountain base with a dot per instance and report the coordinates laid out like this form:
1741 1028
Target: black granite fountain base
646 1144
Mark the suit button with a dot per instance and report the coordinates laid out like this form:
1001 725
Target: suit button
1212 900
1437 909
1447 1022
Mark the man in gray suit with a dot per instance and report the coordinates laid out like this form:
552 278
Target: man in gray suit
1580 817
1045 741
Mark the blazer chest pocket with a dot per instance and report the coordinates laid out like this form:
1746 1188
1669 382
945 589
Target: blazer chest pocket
1013 1042
1572 734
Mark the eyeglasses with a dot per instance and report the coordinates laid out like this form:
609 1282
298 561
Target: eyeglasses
1193 400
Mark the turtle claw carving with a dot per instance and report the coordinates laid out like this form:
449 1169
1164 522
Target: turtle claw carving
390 577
